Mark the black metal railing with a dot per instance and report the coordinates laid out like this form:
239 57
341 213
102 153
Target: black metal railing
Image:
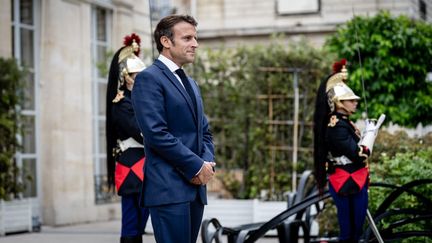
306 197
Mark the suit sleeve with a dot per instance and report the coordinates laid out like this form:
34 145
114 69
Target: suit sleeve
207 152
148 99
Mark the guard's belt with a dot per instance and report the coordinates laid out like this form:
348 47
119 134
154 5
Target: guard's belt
341 160
129 143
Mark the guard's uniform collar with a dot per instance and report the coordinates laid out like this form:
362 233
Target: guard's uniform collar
340 115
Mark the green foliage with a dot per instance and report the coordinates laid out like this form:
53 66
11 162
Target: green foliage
104 64
388 145
404 168
396 54
252 132
399 159
11 83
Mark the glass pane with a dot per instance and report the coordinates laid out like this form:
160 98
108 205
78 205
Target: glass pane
29 177
26 11
27 57
101 53
29 91
13 41
102 140
101 34
29 136
102 166
12 10
101 61
102 98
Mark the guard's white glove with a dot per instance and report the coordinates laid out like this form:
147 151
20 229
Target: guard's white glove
371 131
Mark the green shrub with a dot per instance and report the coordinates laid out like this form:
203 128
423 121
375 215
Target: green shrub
395 54
400 159
400 169
11 83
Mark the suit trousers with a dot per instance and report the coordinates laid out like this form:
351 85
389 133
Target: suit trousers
177 223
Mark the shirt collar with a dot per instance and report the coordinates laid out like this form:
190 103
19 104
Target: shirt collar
170 64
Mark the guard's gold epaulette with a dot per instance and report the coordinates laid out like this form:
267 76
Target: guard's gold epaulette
119 96
333 121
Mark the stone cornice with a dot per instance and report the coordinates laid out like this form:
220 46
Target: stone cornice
261 31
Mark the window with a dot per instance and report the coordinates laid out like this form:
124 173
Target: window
158 10
298 7
101 26
24 50
423 10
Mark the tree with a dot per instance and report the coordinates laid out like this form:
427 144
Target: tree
11 80
396 54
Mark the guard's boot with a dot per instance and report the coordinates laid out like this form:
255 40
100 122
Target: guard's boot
131 239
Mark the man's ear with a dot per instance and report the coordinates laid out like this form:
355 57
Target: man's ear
166 42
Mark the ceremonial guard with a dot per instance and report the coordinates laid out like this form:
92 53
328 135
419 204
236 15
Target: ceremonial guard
125 149
341 153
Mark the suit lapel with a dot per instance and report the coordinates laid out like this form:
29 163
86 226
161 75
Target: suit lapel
179 87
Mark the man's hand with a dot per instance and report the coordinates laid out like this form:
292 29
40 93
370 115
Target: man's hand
205 175
196 181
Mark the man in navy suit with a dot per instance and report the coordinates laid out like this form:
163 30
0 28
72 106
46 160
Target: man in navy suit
178 142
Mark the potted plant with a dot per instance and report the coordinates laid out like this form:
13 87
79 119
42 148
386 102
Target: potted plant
15 212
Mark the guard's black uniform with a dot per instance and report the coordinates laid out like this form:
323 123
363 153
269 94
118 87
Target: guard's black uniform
124 143
348 183
129 172
338 156
128 175
342 139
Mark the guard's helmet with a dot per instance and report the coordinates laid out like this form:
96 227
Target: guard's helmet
336 87
128 60
134 64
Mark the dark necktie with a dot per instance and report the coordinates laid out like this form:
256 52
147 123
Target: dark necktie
187 86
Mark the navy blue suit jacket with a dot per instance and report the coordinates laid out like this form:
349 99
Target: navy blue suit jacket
177 139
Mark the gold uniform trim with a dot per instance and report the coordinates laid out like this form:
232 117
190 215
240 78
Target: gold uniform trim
333 121
119 96
362 154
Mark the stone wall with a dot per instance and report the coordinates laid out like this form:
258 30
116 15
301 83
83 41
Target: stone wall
233 22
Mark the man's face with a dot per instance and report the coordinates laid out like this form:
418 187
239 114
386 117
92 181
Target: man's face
182 49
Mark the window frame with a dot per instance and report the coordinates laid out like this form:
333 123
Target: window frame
98 155
16 27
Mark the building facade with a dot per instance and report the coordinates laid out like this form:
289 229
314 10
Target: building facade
230 23
63 44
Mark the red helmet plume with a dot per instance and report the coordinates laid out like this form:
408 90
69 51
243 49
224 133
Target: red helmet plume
337 66
130 39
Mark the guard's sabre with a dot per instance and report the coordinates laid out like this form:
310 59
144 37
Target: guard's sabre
374 227
381 120
361 68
